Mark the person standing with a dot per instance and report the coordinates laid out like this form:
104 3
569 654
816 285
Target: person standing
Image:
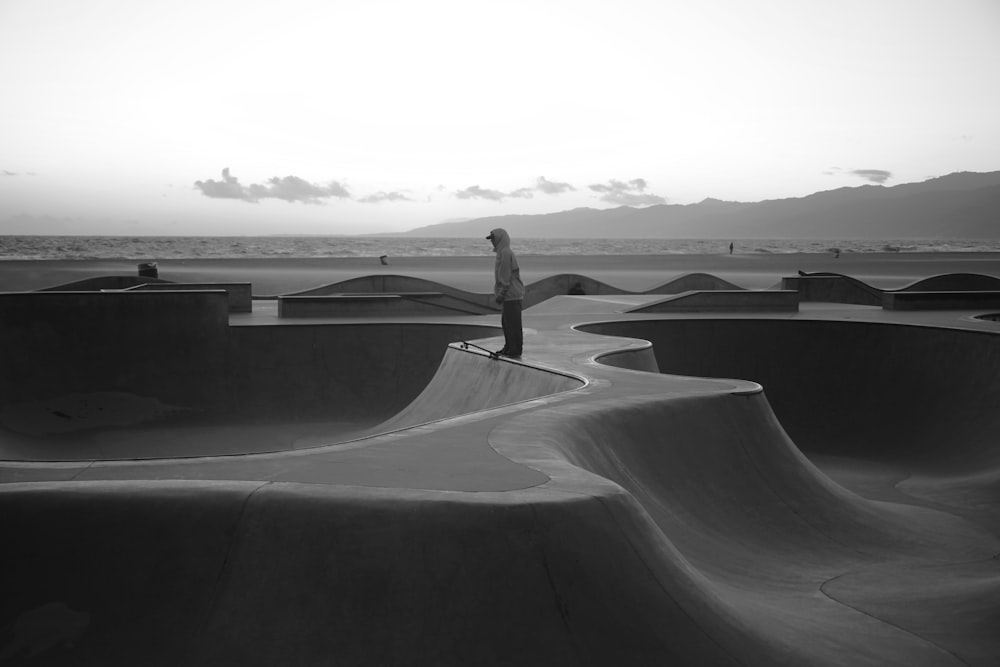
508 291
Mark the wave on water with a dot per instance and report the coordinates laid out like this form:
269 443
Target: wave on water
262 247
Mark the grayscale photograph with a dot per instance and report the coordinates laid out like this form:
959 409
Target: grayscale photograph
463 333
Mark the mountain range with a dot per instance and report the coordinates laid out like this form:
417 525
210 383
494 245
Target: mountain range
959 205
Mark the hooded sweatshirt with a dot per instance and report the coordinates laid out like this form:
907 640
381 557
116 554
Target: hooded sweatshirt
507 275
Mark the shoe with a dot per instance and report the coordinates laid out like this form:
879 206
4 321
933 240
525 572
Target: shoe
512 355
503 352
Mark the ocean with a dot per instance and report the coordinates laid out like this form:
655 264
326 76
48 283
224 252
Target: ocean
255 247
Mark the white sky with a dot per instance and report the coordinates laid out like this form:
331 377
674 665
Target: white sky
112 110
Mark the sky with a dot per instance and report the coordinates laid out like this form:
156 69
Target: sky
219 117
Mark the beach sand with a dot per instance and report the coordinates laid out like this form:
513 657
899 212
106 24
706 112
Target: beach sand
475 274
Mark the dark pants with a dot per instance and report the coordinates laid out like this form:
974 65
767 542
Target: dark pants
510 320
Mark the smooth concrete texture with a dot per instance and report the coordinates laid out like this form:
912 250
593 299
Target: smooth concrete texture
169 345
956 291
950 300
724 301
98 283
122 375
240 294
877 391
535 292
575 507
390 284
378 305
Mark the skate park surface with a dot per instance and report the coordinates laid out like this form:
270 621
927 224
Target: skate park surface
818 486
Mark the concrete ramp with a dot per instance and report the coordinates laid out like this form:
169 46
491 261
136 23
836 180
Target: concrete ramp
750 521
882 392
469 380
306 574
572 508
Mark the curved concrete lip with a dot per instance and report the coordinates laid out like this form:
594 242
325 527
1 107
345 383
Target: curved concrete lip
768 557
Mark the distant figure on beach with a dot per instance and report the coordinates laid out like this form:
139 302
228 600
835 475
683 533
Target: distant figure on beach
730 248
508 290
836 253
384 259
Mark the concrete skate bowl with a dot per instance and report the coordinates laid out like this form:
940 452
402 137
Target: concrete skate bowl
765 554
882 392
674 522
878 547
912 412
151 375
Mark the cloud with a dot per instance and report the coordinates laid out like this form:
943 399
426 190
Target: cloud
552 187
542 184
288 188
228 188
873 175
8 173
631 193
380 197
476 192
293 188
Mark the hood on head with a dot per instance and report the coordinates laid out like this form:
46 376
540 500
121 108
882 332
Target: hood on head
500 238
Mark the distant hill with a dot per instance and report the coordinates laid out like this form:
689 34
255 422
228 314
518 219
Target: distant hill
960 205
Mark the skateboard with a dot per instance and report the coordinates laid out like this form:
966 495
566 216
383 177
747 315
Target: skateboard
466 345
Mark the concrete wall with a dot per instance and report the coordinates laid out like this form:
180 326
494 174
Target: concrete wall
165 344
741 301
178 347
240 294
833 289
946 300
103 282
857 389
366 305
370 371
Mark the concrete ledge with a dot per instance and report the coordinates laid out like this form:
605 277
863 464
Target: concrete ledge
99 283
832 289
366 305
742 301
940 300
240 294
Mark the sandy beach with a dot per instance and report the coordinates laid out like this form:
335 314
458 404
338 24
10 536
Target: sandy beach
630 272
